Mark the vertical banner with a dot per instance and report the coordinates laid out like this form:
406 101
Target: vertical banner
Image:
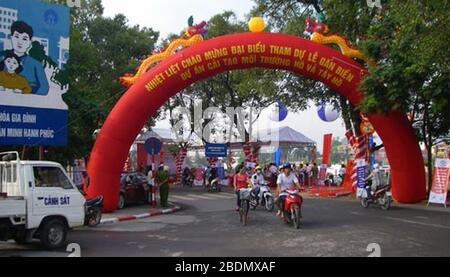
326 148
360 177
221 172
277 156
439 188
371 154
327 139
34 50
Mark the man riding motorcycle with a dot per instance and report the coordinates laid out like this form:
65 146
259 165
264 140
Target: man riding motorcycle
257 180
286 181
375 178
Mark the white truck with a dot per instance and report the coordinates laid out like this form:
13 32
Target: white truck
37 200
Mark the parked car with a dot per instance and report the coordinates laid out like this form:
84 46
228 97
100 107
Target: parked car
134 188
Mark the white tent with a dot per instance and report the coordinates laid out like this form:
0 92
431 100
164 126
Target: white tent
285 136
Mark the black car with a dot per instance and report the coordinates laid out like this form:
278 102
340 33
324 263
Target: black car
134 188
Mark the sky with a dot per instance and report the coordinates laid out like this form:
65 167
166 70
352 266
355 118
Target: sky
170 16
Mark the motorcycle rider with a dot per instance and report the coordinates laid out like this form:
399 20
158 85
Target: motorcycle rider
286 181
185 177
257 180
375 177
213 176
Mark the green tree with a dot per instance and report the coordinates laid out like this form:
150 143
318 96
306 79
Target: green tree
339 151
409 39
254 88
288 16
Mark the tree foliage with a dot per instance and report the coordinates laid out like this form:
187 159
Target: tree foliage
410 41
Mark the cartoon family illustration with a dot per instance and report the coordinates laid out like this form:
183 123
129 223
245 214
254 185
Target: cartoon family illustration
19 72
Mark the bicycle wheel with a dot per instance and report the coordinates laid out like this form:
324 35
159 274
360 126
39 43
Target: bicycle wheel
244 207
241 212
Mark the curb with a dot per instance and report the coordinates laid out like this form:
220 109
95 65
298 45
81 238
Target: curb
139 216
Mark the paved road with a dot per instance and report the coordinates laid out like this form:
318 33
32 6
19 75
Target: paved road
209 226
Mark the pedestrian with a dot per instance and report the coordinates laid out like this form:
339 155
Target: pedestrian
301 174
315 174
342 174
306 174
162 181
185 176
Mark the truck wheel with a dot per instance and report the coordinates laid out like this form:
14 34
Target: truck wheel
53 234
21 237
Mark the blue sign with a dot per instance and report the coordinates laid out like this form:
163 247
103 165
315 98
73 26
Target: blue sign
361 174
215 150
34 50
153 146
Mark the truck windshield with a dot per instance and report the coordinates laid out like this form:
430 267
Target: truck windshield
50 177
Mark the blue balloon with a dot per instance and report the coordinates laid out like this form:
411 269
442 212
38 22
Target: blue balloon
279 112
327 113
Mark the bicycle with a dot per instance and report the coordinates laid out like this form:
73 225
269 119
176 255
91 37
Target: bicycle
244 196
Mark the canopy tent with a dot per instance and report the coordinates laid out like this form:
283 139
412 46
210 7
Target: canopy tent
285 145
284 136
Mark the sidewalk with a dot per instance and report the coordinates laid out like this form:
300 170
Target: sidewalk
137 212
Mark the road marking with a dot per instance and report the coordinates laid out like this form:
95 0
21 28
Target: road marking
200 196
355 213
419 223
177 254
182 197
223 196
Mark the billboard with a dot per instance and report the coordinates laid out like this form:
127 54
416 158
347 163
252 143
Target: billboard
34 49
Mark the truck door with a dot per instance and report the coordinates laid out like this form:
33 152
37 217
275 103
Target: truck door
54 194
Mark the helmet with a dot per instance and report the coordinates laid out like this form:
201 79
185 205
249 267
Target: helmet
287 165
258 168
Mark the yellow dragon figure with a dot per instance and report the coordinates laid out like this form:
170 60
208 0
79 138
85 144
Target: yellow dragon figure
194 34
318 33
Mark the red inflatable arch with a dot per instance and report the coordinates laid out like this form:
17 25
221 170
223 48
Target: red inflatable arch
240 51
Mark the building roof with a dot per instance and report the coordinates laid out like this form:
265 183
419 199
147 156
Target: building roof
165 135
284 135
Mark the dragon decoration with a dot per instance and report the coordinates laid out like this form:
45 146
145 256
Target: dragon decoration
318 33
193 35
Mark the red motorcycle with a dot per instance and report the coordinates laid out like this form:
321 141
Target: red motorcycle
293 208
